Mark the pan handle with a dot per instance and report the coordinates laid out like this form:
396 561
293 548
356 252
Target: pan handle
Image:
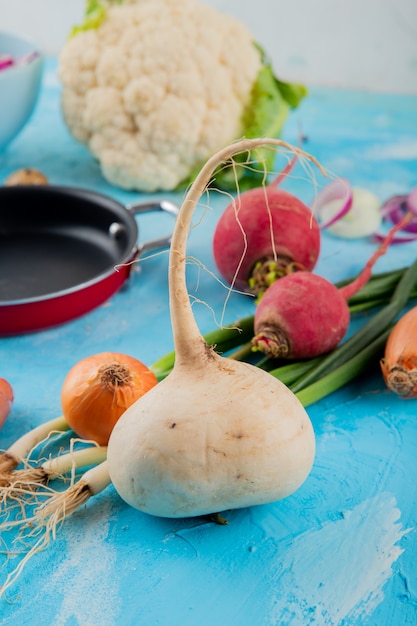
146 207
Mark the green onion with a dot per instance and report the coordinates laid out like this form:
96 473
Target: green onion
291 372
318 377
343 374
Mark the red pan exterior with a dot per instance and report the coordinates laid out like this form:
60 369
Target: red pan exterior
19 316
29 316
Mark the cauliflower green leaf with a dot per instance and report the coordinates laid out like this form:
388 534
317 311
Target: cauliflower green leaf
228 98
95 14
271 101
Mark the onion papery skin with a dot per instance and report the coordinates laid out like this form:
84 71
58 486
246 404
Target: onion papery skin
6 400
399 365
99 389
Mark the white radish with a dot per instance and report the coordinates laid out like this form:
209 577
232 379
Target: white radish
216 434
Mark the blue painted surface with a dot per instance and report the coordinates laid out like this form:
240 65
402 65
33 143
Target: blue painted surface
342 550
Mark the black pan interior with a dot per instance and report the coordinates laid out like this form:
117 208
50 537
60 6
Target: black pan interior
55 238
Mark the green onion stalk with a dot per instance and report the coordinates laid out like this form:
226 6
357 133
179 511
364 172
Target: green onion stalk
311 380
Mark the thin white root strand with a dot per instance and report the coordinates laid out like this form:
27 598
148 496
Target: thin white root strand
15 504
63 504
30 479
41 544
52 514
30 476
58 466
29 487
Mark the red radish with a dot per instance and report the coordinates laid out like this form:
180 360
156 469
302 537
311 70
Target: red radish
303 315
262 235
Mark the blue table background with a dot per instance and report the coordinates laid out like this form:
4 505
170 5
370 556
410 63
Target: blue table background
342 550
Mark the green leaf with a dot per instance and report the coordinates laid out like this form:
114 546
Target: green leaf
265 116
95 14
268 109
292 93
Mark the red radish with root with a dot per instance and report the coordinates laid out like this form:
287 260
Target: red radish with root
265 233
304 315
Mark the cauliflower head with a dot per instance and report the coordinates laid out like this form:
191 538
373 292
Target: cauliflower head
155 87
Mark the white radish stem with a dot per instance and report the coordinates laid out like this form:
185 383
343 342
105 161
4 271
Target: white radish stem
215 434
16 453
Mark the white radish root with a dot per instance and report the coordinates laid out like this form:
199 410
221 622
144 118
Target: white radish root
216 434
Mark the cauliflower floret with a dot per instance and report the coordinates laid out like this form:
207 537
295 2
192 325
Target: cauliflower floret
111 70
104 109
78 63
157 88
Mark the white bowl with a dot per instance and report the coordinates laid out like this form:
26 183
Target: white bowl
19 85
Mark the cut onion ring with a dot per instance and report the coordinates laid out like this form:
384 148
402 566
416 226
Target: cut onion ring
347 211
334 200
394 209
353 212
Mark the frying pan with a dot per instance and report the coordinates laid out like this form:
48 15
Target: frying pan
63 252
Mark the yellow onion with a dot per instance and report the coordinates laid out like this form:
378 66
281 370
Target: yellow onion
399 365
99 388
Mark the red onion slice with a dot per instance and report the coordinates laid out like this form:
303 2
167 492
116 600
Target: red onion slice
395 207
6 61
412 201
339 191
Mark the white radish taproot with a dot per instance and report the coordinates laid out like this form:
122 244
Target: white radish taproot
216 434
